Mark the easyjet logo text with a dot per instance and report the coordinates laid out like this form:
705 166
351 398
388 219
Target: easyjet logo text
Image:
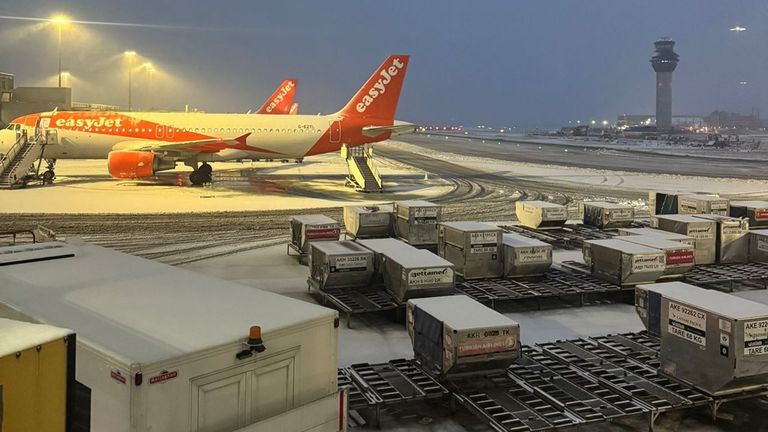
89 123
380 86
281 96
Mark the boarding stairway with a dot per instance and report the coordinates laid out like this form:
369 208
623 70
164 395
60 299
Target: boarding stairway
363 175
18 166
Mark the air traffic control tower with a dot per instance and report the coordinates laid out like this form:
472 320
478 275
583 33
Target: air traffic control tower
664 63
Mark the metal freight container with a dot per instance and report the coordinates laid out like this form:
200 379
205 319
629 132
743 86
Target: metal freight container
755 211
713 340
667 235
309 228
731 238
458 335
700 230
622 262
679 257
474 248
758 246
662 202
606 215
340 264
525 256
541 214
408 272
368 221
702 204
416 222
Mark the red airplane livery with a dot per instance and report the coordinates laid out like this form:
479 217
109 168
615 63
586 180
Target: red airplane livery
139 144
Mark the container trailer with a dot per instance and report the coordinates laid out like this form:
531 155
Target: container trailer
340 264
306 229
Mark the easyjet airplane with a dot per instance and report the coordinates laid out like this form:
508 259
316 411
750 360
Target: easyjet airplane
139 144
281 101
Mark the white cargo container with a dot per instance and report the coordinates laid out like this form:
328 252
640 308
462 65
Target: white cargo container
758 246
416 222
606 215
458 335
408 272
702 204
308 228
541 214
340 264
700 230
474 248
525 256
622 262
755 211
160 348
679 258
369 221
731 238
713 340
667 235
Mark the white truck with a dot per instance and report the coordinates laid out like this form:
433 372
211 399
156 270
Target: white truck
161 348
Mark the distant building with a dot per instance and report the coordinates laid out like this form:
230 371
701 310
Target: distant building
729 120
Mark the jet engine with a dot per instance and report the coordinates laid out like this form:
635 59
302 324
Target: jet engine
136 164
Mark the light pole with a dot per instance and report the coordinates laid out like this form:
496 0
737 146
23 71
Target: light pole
130 55
60 21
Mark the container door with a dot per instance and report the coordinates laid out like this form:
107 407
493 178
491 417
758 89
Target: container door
428 338
272 390
654 313
221 403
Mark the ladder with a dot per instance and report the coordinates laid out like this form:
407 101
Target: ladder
363 175
18 167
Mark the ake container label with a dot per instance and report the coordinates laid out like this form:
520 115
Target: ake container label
756 337
680 257
761 214
688 323
322 232
349 263
532 255
475 342
647 263
700 233
430 276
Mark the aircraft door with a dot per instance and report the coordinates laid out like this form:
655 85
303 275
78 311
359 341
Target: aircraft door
335 132
51 136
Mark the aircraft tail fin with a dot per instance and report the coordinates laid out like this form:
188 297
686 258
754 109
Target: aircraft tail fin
281 100
377 99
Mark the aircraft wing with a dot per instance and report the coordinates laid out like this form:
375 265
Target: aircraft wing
396 129
212 145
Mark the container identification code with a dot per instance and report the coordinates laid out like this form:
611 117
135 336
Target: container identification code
483 248
756 337
688 323
483 237
349 263
532 255
647 263
701 233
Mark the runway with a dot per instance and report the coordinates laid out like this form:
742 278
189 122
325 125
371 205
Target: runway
515 150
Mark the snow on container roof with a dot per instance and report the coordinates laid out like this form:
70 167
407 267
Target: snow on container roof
316 219
751 204
471 226
721 303
623 246
461 312
18 336
339 247
682 218
541 204
416 203
142 311
404 253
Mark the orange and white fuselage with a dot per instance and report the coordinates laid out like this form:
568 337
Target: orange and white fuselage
137 144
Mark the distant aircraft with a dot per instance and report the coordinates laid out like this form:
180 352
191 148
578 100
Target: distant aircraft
281 101
139 144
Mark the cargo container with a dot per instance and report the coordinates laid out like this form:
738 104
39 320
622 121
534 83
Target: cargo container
541 214
340 264
660 203
758 246
161 348
606 215
37 373
702 204
408 272
755 211
700 230
369 221
667 235
679 257
622 262
458 335
474 248
311 228
416 222
525 256
713 340
731 238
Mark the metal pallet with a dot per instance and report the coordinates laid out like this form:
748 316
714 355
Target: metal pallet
555 284
728 276
353 301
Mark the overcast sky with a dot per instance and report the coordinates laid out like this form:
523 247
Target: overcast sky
529 63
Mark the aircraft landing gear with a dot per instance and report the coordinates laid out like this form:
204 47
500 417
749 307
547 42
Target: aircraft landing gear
201 175
49 175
